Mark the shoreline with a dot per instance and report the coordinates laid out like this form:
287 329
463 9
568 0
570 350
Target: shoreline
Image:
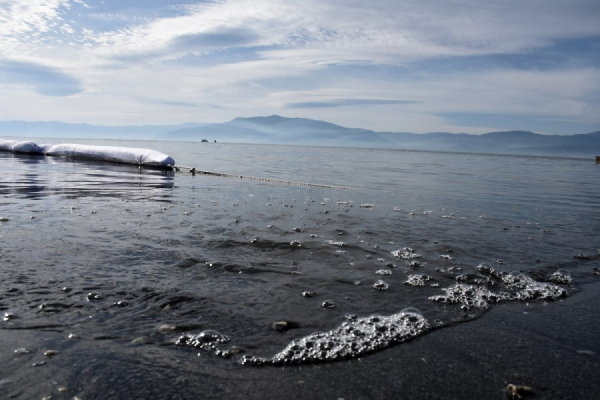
551 348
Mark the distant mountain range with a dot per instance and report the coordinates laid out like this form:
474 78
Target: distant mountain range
302 131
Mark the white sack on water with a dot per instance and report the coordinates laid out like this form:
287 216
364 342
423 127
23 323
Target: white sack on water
128 155
20 146
7 145
27 147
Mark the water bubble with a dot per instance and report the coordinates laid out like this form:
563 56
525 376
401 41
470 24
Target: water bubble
280 326
410 310
328 304
50 353
561 276
93 296
22 350
8 316
381 285
167 328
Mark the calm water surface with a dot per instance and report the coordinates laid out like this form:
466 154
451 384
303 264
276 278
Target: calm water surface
113 252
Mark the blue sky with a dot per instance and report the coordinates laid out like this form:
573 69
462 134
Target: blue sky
390 65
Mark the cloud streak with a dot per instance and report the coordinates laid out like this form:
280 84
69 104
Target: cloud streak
347 103
43 80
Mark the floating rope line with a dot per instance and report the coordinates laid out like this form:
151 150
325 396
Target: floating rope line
195 171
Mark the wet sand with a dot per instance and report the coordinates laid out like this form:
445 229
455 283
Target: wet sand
554 349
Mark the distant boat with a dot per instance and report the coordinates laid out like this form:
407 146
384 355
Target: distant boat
204 140
598 159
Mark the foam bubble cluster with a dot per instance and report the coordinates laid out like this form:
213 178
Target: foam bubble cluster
205 340
470 296
518 285
353 338
406 253
417 280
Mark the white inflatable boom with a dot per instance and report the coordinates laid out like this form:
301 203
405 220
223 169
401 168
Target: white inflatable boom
127 155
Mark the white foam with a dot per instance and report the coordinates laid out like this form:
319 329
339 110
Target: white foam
354 338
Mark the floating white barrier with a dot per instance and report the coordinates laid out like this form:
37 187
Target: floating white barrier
128 155
20 146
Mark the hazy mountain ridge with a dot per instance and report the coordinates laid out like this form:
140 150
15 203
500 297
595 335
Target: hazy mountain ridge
302 131
276 129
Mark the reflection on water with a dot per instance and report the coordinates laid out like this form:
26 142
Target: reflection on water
33 176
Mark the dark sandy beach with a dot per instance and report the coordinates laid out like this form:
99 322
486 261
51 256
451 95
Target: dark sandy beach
553 349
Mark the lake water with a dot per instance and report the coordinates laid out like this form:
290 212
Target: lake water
392 245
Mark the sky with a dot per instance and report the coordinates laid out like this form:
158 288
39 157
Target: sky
389 65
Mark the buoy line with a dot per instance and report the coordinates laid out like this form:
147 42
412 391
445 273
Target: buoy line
195 171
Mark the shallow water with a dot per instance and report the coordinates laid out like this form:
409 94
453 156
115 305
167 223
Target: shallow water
112 252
